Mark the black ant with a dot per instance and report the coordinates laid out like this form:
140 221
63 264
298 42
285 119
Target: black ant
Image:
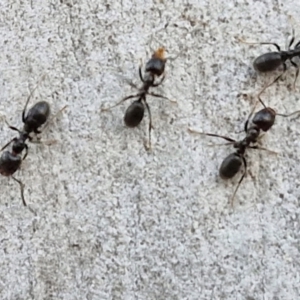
262 120
155 67
271 61
10 162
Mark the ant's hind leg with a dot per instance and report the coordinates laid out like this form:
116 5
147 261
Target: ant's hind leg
150 124
160 96
292 39
212 134
124 99
49 122
297 73
240 181
264 149
288 115
22 189
39 141
275 80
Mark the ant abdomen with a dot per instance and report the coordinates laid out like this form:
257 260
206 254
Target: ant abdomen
230 166
9 163
134 114
268 62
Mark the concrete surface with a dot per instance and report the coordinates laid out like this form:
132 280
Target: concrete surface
114 221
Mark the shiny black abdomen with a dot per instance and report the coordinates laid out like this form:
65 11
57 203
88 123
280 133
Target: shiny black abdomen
230 165
134 114
268 62
9 163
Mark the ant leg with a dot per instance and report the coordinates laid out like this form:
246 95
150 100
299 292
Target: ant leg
236 189
297 45
6 145
48 142
281 115
159 83
150 123
12 127
292 39
55 116
22 189
141 75
276 79
124 99
262 148
260 137
26 152
224 144
49 122
128 81
263 104
258 43
160 96
288 115
297 73
250 115
214 135
30 95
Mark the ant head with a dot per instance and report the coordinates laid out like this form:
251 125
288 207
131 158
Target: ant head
265 118
160 53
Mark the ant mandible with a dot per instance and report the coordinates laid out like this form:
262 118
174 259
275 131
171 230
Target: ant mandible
263 120
10 162
155 67
271 61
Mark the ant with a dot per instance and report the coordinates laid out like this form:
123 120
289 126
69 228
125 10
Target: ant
155 67
263 120
10 162
271 61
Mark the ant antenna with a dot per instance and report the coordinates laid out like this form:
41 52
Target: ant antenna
30 95
263 104
277 114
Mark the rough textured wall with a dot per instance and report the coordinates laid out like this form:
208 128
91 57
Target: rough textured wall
113 221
